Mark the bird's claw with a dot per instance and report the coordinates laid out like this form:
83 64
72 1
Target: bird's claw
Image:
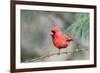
58 53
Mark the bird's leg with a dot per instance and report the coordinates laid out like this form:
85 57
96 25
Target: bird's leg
59 52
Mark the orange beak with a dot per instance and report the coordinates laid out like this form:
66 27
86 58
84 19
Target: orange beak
51 33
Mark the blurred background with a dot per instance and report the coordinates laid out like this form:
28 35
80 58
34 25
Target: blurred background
36 40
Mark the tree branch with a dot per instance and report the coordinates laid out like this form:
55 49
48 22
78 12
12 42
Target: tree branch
54 53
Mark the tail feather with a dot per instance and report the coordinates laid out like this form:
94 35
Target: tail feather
71 38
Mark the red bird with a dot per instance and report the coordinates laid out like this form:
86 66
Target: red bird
59 39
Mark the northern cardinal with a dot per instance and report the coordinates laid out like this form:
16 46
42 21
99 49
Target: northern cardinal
59 39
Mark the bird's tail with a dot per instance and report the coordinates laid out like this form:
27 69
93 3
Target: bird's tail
74 38
71 38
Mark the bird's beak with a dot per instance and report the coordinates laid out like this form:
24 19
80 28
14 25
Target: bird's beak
51 33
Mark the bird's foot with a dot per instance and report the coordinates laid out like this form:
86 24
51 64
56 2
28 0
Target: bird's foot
58 53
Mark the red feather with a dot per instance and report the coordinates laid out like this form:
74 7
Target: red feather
59 39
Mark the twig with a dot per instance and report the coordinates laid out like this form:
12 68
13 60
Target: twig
54 53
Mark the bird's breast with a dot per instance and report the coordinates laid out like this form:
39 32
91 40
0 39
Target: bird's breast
60 43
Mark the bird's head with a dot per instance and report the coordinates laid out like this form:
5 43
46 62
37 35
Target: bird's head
54 30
